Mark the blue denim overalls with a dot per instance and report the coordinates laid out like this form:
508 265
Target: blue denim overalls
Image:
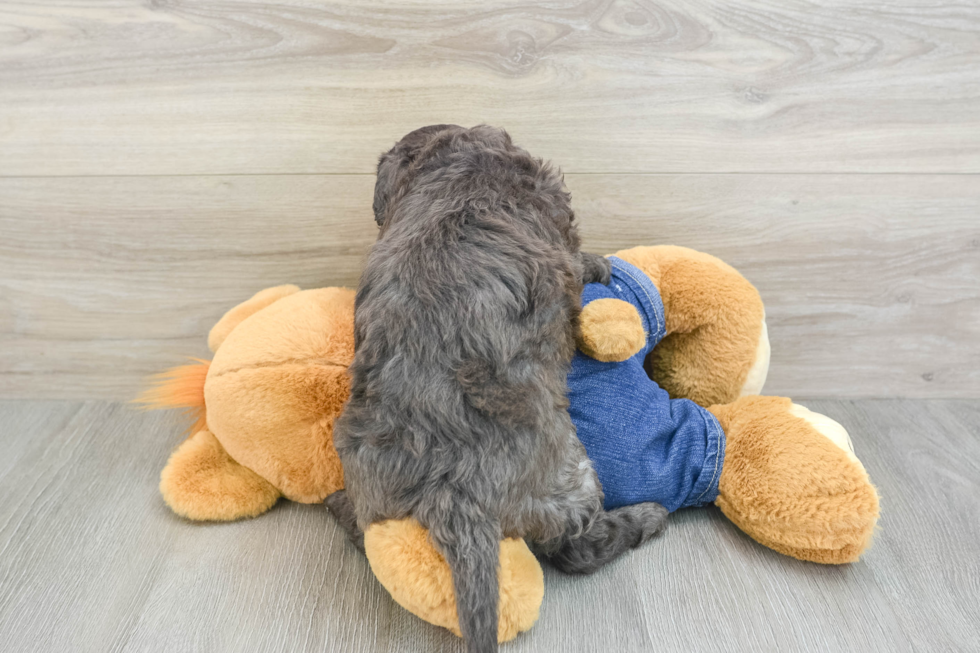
644 445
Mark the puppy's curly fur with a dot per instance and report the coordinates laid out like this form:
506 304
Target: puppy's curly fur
464 330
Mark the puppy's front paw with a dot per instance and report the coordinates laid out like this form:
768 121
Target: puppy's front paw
595 268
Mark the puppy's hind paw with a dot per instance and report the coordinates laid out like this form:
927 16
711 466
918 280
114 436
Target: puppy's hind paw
612 534
340 506
652 519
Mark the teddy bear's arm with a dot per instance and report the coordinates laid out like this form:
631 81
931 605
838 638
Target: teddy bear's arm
717 346
249 307
610 330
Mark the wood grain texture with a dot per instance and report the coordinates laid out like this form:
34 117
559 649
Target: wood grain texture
872 282
225 86
91 559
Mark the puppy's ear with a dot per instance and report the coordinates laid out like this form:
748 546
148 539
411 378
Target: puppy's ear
391 168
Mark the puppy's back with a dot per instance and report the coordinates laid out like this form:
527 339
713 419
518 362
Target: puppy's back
466 304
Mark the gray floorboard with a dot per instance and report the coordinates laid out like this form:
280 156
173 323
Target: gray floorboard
91 559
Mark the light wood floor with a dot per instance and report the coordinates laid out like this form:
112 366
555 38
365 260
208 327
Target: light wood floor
92 560
161 161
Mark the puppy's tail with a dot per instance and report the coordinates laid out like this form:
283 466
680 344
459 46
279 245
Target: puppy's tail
471 545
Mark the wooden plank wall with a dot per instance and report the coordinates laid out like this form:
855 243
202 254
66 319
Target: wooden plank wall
161 161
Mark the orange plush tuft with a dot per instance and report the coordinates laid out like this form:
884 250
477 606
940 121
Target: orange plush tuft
179 387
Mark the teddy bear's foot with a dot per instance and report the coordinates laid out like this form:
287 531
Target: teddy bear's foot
416 575
791 481
202 482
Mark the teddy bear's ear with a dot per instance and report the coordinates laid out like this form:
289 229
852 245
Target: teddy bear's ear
237 315
610 330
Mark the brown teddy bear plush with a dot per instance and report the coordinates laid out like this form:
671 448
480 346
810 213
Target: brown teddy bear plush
786 476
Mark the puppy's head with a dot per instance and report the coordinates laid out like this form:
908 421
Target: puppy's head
395 168
399 166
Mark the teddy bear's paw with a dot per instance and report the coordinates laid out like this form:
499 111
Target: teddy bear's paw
416 575
203 483
792 482
611 330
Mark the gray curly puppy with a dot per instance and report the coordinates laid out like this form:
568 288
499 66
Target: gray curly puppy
464 330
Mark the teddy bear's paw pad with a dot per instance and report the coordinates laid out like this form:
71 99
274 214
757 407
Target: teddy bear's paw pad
756 377
830 429
611 330
416 575
202 482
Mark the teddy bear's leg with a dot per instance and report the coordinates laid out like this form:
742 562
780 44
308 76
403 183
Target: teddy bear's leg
202 482
717 346
237 315
416 575
791 481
